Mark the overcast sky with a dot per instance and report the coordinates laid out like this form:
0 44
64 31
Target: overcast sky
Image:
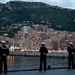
61 3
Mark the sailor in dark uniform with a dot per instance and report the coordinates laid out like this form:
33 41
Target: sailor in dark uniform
43 52
4 51
70 55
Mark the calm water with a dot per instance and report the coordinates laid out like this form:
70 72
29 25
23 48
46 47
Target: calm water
22 62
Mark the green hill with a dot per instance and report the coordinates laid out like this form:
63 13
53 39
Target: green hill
40 13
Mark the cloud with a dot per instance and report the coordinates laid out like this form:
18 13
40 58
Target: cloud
62 3
12 0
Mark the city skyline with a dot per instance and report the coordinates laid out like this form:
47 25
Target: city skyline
31 38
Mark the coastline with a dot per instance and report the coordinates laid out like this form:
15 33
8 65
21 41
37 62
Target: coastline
37 54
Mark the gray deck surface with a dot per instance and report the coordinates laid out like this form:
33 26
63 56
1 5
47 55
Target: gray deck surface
48 72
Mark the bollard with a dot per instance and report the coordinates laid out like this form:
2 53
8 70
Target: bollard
49 66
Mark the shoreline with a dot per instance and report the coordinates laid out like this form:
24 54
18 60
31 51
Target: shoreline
37 54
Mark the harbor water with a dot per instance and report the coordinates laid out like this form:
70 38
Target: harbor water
32 62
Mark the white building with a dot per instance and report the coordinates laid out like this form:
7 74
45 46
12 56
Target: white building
25 29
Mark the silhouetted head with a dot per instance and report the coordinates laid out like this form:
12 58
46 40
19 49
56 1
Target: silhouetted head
43 44
3 42
71 43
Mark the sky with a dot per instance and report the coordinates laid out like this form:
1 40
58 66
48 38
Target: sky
62 3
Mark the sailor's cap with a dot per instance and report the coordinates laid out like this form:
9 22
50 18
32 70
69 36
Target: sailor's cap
43 43
70 42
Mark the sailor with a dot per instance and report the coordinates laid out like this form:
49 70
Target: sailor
43 51
4 51
70 55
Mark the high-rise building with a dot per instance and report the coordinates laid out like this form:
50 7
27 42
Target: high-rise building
25 29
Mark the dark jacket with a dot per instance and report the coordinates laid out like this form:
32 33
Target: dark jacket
0 52
70 50
4 50
43 51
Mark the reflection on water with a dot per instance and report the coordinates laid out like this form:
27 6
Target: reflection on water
10 59
22 62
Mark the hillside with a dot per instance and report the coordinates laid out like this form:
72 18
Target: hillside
37 12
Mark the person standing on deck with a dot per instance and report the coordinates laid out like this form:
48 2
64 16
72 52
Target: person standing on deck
4 51
43 51
70 55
